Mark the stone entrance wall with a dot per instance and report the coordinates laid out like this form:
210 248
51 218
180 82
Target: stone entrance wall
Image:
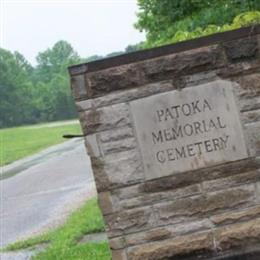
193 201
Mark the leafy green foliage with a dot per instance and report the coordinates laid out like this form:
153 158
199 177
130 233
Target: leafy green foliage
30 95
41 93
244 19
167 21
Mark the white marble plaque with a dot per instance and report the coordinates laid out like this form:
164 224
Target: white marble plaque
188 129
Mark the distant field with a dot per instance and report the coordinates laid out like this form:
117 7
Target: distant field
19 142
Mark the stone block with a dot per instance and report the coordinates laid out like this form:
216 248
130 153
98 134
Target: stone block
117 172
239 49
253 133
106 118
117 243
105 202
238 235
189 129
251 116
139 199
249 104
119 255
117 140
135 93
112 79
176 248
92 145
248 86
236 180
116 134
204 205
200 78
167 232
232 217
129 221
185 63
84 105
234 70
79 89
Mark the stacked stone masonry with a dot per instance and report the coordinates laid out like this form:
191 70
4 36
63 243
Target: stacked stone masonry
206 213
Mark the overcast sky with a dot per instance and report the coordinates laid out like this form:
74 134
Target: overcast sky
90 26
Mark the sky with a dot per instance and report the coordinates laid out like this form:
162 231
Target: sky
90 26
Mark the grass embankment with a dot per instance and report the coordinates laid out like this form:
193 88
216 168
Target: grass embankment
63 242
19 142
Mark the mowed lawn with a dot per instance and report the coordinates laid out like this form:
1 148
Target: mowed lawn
63 243
19 142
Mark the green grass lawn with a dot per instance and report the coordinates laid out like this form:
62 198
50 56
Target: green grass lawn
63 241
19 142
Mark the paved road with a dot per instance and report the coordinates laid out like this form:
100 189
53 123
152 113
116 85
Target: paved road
39 192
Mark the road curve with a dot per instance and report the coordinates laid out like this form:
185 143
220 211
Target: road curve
39 192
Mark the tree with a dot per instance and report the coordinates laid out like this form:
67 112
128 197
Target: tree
55 60
14 86
30 95
162 19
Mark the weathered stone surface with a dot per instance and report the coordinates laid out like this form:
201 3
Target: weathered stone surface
200 78
158 69
257 191
84 105
241 49
80 69
234 70
128 192
248 104
135 93
172 182
119 146
106 118
251 116
124 172
204 205
105 202
117 140
238 235
236 180
248 86
147 236
92 146
237 216
253 133
189 129
140 199
79 89
116 134
166 232
189 178
100 176
190 245
130 221
117 243
188 62
117 172
112 79
119 255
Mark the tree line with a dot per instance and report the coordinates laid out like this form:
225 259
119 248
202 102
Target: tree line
41 93
31 94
